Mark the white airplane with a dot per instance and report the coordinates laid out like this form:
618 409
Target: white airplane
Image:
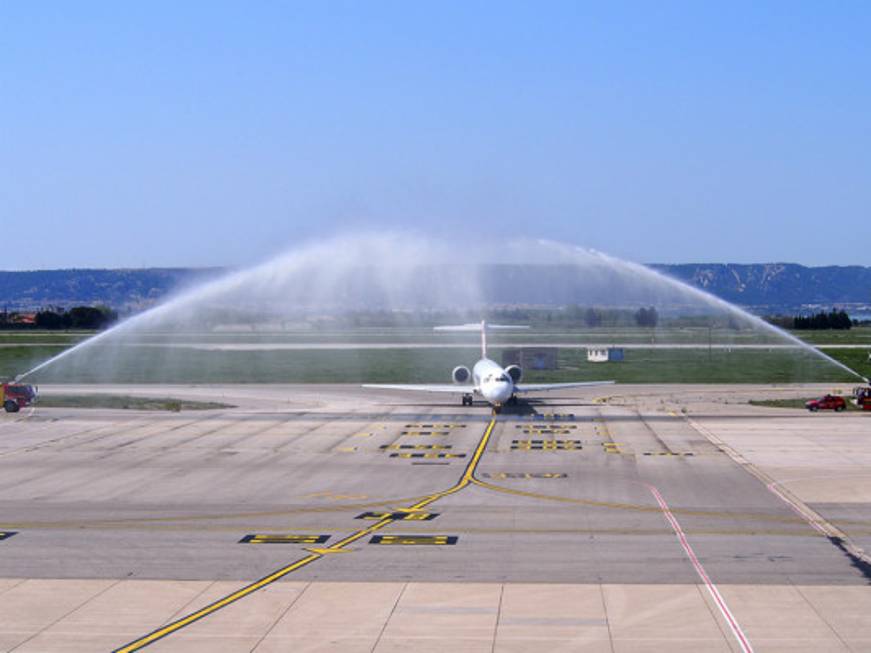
497 385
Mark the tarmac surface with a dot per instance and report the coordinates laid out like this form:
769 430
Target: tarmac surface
333 518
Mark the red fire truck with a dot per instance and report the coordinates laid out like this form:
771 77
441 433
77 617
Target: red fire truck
15 396
863 397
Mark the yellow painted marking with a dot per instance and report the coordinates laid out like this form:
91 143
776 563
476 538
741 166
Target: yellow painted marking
466 479
217 605
270 538
346 449
328 550
414 539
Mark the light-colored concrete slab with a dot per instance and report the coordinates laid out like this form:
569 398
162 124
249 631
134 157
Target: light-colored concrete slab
845 609
661 615
530 612
69 643
326 644
251 616
122 612
31 606
437 611
553 645
205 644
779 617
443 644
337 611
9 583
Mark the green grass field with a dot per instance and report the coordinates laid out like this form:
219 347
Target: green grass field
165 358
127 403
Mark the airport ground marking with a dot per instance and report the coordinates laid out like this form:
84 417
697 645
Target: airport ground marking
734 626
414 540
413 433
277 538
427 455
436 447
314 554
5 535
547 445
523 475
399 515
676 454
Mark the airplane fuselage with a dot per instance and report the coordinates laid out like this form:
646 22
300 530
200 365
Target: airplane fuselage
492 381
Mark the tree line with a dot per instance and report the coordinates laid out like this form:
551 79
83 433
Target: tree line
56 319
823 320
818 321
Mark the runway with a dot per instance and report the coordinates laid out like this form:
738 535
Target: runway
330 518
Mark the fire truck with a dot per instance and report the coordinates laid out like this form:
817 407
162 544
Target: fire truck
15 396
862 396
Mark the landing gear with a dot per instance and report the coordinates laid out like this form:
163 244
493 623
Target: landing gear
497 408
467 400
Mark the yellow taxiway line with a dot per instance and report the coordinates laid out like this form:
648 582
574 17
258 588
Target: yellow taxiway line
315 554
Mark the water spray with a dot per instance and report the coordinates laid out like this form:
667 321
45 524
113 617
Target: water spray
396 271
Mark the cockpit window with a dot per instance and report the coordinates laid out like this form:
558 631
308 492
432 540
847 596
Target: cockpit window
503 378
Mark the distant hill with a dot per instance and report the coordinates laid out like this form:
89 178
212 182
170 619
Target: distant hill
777 283
126 290
769 287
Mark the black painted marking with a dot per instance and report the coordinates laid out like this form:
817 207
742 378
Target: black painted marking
398 516
5 535
435 426
532 427
416 446
427 455
414 540
524 475
271 538
547 445
667 453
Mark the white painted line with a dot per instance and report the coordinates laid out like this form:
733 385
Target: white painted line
809 517
816 521
734 626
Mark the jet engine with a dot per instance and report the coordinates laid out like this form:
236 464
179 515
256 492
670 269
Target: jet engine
514 372
461 374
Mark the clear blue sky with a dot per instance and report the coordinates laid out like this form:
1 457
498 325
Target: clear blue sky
185 133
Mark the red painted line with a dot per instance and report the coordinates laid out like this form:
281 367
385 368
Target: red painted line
734 626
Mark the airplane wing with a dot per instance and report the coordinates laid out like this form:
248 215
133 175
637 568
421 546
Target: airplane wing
424 387
543 387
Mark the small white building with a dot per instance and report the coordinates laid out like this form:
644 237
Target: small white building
597 354
604 354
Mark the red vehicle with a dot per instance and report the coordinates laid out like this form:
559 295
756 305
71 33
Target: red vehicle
15 396
863 397
827 402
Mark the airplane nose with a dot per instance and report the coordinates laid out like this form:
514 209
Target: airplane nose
499 392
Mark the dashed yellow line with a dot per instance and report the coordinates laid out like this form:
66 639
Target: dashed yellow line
315 554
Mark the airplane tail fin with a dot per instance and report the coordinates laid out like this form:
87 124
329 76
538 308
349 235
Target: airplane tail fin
483 327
